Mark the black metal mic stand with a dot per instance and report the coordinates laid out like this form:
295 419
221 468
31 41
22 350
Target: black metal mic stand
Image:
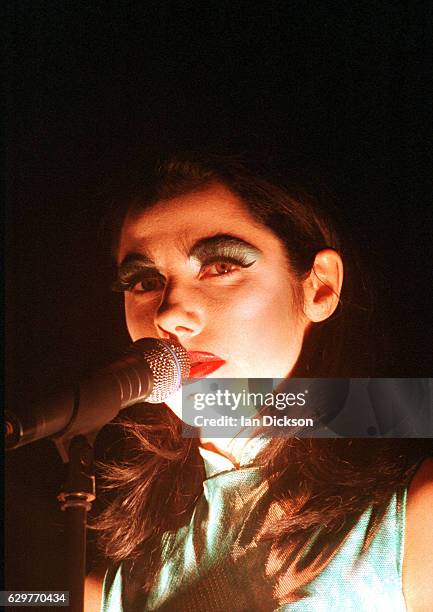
76 500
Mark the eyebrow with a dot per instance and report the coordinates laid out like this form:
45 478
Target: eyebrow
211 246
133 262
222 244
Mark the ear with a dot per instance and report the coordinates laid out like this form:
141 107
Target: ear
322 287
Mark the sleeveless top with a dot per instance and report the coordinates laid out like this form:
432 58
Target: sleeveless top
214 563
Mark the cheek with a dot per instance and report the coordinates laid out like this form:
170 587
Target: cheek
264 304
265 318
139 319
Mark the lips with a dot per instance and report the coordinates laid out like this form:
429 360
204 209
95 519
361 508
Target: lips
203 363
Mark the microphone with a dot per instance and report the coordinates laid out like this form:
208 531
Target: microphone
150 370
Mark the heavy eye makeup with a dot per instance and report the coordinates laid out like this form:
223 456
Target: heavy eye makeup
221 265
223 255
141 283
218 256
137 273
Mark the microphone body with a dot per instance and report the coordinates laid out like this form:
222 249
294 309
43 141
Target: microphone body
151 370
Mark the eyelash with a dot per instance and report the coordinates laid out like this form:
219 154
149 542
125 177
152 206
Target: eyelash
207 266
129 284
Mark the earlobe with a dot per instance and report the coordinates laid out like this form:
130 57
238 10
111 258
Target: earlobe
322 287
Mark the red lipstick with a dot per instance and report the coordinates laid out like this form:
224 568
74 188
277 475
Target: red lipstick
203 363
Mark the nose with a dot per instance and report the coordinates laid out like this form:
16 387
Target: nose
180 313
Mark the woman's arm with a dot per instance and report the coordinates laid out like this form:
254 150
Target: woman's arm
418 550
93 590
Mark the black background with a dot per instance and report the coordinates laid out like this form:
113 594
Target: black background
340 85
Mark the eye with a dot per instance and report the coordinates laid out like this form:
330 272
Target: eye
219 268
147 284
138 281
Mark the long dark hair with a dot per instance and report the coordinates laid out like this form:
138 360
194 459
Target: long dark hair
157 482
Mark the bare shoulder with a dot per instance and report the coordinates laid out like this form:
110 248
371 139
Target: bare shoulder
418 550
93 590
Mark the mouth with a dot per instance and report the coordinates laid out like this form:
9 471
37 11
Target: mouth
203 363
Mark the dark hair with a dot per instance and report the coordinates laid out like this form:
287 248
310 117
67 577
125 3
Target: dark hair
334 480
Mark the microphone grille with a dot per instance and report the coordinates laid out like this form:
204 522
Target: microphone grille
169 363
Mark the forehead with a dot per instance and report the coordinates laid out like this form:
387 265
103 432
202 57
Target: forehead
187 218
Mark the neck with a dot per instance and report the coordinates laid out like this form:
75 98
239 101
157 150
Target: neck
231 448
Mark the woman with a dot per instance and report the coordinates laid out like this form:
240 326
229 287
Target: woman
247 273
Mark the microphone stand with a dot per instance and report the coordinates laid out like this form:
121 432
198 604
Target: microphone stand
151 368
76 500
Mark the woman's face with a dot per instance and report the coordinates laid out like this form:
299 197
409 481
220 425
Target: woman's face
200 268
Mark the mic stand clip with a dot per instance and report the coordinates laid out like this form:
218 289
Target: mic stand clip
76 500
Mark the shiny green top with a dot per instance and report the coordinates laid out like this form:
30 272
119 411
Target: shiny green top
215 563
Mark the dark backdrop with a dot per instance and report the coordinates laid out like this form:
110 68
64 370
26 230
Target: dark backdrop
338 85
